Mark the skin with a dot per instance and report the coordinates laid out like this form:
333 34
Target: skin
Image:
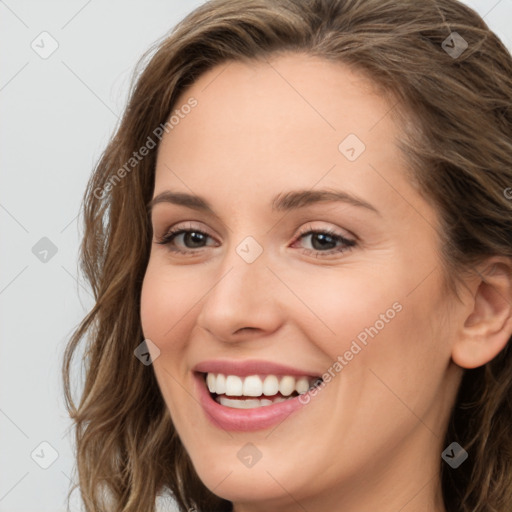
371 439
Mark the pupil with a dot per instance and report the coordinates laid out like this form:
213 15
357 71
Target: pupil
195 238
323 237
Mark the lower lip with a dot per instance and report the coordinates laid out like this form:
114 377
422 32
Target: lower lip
244 420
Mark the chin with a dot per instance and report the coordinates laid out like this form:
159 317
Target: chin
260 483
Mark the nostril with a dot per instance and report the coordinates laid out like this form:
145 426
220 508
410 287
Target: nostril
246 328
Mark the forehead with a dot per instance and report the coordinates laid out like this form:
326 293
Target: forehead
292 110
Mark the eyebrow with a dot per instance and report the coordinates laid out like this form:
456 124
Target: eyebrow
292 200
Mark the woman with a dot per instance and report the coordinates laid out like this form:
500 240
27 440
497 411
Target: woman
304 223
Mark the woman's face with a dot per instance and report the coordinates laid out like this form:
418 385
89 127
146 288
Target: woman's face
277 150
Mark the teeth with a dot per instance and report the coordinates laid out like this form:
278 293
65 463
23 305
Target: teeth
210 381
255 386
234 386
252 403
220 384
270 385
287 386
252 386
302 385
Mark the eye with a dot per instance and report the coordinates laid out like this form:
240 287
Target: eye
191 237
326 241
323 241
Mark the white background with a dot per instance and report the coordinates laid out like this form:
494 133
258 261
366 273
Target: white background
56 117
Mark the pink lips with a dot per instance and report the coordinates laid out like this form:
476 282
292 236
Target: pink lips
241 420
244 368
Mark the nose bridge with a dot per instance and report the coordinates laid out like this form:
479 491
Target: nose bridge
243 294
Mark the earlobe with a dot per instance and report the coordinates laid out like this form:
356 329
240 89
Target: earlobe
487 328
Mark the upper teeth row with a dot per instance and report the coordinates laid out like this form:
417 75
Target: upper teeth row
253 385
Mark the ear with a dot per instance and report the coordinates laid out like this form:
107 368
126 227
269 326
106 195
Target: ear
487 325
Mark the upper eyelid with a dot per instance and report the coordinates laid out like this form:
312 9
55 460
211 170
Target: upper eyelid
157 220
306 230
302 231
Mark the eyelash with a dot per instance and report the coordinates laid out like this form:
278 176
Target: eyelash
347 244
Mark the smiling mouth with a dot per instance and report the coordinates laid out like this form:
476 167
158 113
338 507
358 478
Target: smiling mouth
255 391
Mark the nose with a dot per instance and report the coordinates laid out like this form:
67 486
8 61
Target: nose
243 301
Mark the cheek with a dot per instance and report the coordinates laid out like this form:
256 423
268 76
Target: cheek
165 302
404 359
351 306
166 318
377 328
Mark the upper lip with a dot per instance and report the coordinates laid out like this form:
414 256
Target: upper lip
249 367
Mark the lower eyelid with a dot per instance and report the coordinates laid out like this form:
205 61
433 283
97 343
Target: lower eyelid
346 244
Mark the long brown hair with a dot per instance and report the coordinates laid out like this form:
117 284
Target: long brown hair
457 136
